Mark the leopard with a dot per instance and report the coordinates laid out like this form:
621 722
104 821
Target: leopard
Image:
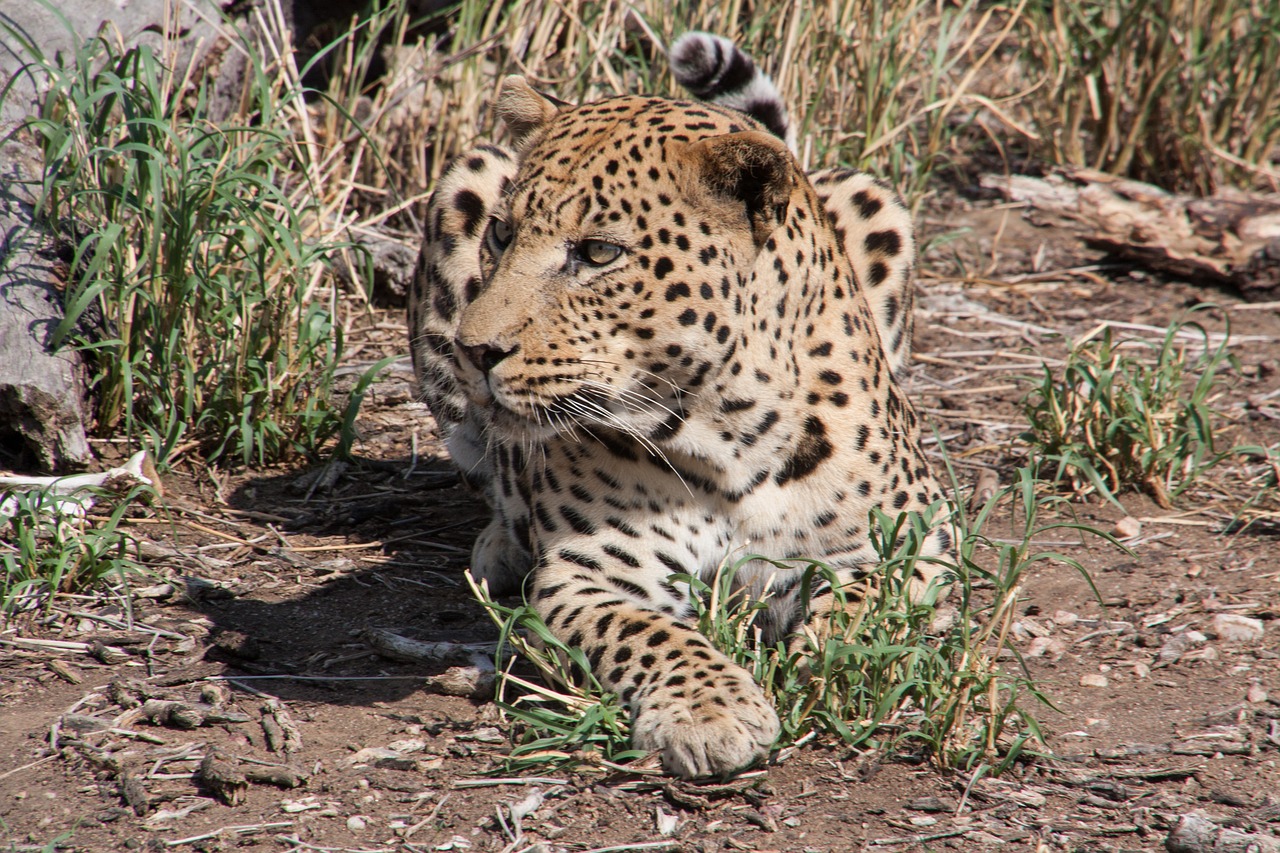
652 341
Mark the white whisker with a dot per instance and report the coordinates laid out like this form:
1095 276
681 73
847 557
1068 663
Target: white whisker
609 419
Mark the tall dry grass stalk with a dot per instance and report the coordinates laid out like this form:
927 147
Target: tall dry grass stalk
1181 93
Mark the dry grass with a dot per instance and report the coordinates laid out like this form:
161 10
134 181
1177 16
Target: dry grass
880 86
1184 94
1181 93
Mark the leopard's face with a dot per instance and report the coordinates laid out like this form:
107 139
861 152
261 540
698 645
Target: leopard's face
612 275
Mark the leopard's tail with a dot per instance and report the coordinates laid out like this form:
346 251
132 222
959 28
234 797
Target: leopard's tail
716 70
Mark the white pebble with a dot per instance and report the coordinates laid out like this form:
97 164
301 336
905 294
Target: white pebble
1235 628
356 823
1093 679
1256 695
1065 618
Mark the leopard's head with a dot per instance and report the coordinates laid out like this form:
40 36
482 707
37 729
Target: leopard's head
615 275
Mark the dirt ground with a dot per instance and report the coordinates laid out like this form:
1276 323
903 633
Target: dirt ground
267 580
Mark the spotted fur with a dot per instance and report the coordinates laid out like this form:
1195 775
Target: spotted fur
653 342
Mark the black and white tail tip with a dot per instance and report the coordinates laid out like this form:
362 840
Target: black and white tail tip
715 69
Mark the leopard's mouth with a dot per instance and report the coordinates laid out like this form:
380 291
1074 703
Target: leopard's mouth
576 414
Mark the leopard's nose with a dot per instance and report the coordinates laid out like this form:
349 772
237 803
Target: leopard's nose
484 356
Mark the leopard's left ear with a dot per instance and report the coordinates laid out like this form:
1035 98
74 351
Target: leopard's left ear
522 109
752 168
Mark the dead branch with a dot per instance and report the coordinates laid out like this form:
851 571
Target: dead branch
1231 239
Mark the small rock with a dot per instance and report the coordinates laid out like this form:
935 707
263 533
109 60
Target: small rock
369 755
1065 618
408 745
473 682
1046 647
485 734
1235 628
923 821
1141 670
1256 694
161 590
356 823
1093 679
1173 648
1127 528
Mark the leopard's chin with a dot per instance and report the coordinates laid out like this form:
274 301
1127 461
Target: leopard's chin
516 426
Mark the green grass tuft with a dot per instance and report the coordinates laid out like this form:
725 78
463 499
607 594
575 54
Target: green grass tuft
1129 414
563 715
51 544
196 264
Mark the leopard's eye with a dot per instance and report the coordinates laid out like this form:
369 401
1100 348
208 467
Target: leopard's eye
499 235
598 253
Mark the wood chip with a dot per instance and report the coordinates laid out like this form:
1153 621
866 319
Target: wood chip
222 777
396 647
282 733
280 776
134 793
63 671
110 655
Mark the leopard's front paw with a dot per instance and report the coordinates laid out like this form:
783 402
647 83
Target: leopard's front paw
499 560
714 730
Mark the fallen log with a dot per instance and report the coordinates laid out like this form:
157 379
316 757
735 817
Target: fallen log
1231 239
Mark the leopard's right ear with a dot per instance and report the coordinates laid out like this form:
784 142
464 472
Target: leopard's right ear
750 168
522 109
